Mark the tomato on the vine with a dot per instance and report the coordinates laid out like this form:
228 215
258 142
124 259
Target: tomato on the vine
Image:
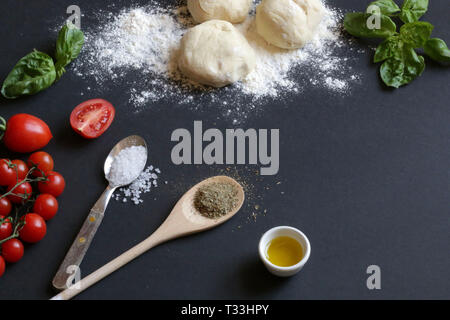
20 193
21 167
43 161
46 206
7 174
6 229
92 118
2 266
54 185
34 229
12 250
5 207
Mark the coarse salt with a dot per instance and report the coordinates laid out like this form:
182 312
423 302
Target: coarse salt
147 180
127 165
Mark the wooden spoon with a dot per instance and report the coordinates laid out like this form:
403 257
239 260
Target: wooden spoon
182 221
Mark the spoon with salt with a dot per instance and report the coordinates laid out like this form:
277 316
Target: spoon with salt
184 220
123 165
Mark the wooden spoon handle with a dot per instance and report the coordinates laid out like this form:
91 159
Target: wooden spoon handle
108 268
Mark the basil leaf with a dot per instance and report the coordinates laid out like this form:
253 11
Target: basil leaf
387 49
412 10
387 7
437 50
416 33
68 46
32 74
356 24
400 70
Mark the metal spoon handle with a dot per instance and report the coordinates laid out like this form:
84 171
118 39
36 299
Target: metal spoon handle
77 251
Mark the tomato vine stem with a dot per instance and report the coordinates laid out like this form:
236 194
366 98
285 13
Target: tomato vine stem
26 179
2 127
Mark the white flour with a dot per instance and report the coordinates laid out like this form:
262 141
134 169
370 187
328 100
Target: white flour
137 51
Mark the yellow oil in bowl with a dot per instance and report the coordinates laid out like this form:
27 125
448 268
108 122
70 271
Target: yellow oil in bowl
284 251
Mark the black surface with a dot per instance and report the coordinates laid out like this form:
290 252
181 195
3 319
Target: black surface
365 176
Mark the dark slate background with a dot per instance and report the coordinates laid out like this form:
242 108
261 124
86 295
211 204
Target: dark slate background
365 176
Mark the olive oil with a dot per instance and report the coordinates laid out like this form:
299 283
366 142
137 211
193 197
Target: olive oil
284 252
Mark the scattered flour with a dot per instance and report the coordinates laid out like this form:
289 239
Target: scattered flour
137 49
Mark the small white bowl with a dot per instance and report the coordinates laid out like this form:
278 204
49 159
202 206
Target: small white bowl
284 231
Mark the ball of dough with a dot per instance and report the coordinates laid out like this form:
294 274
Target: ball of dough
233 11
288 24
215 53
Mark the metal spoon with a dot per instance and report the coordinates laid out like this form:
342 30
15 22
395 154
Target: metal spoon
81 244
182 221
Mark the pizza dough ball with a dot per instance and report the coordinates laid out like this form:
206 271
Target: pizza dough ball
215 53
288 24
233 11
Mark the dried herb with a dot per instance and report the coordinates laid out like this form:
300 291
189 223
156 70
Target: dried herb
216 199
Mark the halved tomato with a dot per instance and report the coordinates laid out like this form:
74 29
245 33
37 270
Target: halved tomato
92 118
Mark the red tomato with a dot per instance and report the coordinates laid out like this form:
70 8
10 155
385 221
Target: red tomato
21 167
43 161
12 250
5 207
92 118
23 189
54 185
34 229
6 229
2 266
46 206
7 174
26 133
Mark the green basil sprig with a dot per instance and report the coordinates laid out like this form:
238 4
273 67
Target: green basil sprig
68 47
37 71
356 24
402 68
400 62
387 7
437 50
416 33
33 73
412 10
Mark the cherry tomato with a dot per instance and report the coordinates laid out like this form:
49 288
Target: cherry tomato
23 189
43 161
7 174
21 167
34 229
26 133
2 266
12 250
5 207
54 185
92 118
46 206
6 229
